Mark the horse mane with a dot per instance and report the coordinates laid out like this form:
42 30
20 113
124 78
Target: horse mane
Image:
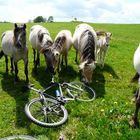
88 52
2 36
101 33
59 42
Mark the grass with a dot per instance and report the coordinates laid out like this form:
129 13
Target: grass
105 118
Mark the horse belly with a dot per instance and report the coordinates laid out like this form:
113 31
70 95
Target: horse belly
136 60
7 43
7 49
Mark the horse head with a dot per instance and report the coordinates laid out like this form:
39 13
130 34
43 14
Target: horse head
108 38
20 35
51 58
86 69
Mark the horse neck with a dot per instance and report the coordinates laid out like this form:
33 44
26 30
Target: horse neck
59 44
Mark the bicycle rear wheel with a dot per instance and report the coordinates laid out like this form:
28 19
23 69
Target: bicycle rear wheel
81 92
48 113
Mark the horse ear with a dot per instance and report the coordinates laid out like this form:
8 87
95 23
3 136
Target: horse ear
15 25
91 65
108 34
82 65
24 26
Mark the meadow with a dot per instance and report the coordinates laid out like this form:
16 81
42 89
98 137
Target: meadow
106 118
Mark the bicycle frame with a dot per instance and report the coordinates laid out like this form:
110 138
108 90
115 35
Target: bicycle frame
49 110
61 99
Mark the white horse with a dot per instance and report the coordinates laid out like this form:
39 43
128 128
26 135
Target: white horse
103 39
14 45
60 48
62 44
85 41
40 38
136 62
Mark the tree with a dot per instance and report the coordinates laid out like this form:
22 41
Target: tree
75 19
50 19
39 19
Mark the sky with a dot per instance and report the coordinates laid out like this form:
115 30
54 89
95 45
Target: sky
96 11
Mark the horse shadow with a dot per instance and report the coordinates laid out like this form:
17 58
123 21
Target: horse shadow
16 92
68 74
44 77
99 81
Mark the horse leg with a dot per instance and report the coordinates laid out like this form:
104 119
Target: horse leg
58 65
100 57
136 77
16 72
37 62
104 57
38 59
66 60
34 53
97 54
62 63
135 116
76 56
12 67
26 71
6 61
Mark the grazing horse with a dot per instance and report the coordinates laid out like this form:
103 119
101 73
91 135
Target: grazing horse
85 41
60 48
14 45
136 62
41 41
103 39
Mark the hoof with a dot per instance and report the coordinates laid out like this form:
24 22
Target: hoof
133 123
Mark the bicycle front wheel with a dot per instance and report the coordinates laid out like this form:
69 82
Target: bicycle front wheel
81 92
48 113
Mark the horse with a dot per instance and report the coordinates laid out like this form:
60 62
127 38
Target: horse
136 62
85 42
103 39
41 42
59 49
14 46
62 44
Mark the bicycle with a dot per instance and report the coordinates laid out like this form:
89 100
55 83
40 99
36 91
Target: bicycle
48 110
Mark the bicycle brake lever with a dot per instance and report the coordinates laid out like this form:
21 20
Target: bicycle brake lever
31 85
27 87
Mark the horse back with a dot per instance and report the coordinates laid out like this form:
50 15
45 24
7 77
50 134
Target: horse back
8 42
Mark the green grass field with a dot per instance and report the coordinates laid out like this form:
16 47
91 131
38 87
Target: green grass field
106 118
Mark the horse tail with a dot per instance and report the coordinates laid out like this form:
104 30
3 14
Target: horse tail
135 78
1 54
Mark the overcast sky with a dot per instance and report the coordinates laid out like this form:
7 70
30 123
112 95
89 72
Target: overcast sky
96 11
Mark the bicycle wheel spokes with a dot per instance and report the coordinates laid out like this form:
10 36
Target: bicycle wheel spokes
81 92
49 114
54 114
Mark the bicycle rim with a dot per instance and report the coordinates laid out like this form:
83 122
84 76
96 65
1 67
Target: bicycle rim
50 114
81 92
22 137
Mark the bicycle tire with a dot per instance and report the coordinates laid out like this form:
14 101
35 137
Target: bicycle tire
81 92
22 137
50 115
